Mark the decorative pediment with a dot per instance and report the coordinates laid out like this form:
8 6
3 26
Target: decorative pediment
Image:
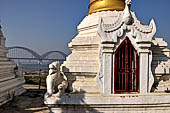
125 21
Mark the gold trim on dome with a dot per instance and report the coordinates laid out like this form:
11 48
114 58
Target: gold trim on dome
104 5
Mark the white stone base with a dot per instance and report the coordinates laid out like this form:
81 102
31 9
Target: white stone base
11 88
10 84
122 103
111 109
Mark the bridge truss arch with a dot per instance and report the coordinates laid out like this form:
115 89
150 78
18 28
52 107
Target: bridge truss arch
54 55
17 52
31 60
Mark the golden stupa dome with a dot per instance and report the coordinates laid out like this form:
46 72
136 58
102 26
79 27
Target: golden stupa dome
104 5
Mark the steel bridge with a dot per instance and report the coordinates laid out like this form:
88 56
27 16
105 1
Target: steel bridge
31 60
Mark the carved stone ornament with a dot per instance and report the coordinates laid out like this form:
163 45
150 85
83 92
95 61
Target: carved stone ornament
127 17
110 32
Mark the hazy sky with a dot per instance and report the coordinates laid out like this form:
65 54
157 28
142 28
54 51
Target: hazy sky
44 25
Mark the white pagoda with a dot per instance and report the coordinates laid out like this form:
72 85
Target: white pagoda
116 65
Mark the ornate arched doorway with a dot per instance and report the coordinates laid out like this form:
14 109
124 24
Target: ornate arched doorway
126 68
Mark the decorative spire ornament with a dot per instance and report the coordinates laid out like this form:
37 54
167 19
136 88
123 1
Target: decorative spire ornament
127 17
105 5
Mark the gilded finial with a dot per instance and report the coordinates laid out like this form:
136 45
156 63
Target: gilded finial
105 5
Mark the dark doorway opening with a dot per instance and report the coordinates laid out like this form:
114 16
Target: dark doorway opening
126 68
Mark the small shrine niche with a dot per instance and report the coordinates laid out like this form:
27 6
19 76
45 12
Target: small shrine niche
125 53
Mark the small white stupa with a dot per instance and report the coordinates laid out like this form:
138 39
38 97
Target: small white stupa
11 79
116 65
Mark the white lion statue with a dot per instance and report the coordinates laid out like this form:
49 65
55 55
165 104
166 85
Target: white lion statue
55 79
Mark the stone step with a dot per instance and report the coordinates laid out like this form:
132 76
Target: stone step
88 79
83 61
87 69
85 83
2 54
82 58
11 83
6 63
86 89
81 64
6 77
2 67
3 59
5 71
85 40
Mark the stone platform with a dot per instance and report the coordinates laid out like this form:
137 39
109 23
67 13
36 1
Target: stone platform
117 103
